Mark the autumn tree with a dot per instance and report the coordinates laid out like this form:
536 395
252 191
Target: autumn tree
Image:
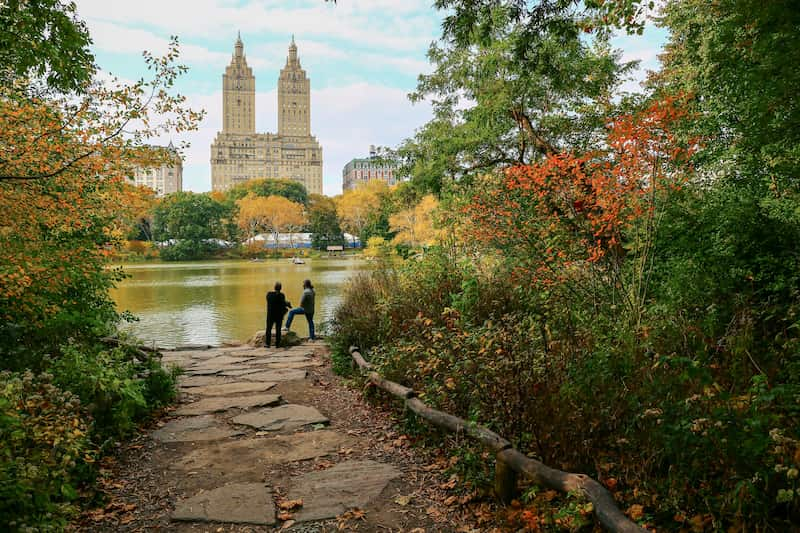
63 163
274 214
251 214
135 219
354 207
415 226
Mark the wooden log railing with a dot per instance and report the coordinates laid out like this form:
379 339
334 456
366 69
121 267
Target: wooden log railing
509 462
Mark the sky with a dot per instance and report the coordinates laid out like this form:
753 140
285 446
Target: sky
363 58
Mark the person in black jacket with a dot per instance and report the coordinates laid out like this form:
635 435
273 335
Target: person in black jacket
276 309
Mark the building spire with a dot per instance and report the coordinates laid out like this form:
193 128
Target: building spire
292 59
239 47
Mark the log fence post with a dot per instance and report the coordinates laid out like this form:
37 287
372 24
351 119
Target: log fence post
505 480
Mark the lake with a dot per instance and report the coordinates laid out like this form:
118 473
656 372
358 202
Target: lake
223 301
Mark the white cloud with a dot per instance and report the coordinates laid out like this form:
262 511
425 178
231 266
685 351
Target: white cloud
112 37
382 23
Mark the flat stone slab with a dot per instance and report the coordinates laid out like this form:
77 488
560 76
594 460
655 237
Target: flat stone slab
223 362
188 382
193 429
241 372
278 374
223 403
225 389
253 352
247 455
294 364
329 493
202 371
283 417
237 503
277 359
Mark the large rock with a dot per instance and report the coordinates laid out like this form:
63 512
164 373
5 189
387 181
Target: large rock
195 429
287 339
283 417
287 374
248 455
237 503
225 389
329 493
223 403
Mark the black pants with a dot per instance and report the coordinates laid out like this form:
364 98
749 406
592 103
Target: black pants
268 332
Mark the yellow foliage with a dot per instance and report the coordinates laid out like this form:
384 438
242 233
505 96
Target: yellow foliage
354 207
272 213
415 226
377 248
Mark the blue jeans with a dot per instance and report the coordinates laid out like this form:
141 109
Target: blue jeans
309 317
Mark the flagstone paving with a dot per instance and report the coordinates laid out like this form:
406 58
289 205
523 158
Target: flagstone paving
282 417
253 433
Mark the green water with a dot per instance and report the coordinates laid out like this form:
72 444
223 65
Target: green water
222 301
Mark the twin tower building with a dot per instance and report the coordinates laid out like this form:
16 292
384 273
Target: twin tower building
239 154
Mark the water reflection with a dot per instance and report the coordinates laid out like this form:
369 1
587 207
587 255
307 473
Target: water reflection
222 301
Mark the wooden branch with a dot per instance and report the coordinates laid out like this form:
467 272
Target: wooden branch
390 386
485 436
604 505
359 359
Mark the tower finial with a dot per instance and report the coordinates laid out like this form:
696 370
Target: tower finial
239 47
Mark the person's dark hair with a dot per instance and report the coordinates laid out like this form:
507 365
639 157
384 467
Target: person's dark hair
307 284
278 285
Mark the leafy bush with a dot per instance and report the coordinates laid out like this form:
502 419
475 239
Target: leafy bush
45 451
54 425
117 388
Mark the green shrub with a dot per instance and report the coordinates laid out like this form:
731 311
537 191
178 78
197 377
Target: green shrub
45 452
118 389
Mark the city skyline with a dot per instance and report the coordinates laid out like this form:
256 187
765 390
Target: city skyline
364 56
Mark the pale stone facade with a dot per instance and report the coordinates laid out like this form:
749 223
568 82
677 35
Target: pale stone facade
163 179
362 170
239 154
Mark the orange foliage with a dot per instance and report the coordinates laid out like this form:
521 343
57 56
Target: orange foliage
63 167
579 208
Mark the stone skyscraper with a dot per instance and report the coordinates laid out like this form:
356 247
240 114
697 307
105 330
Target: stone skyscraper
239 153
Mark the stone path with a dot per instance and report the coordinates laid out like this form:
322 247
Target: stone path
257 443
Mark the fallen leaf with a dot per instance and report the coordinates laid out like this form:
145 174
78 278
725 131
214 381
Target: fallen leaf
636 511
402 500
288 505
451 500
285 516
288 524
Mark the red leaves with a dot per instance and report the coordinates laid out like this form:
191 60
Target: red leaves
573 208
